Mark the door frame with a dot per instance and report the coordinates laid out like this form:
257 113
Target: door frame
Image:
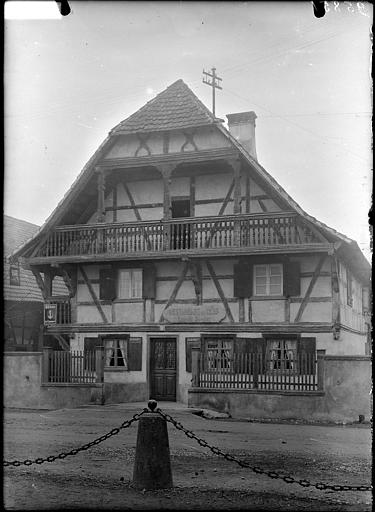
148 376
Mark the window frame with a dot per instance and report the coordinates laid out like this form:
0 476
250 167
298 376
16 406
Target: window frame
268 280
115 355
130 298
282 369
14 280
215 363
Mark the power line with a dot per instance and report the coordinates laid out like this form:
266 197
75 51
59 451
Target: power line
296 124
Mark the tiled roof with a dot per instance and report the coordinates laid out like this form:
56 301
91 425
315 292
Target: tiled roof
16 232
177 107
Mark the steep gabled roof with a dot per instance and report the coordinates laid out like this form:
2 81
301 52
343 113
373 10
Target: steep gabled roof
177 107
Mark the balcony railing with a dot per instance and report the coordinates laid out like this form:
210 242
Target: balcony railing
196 233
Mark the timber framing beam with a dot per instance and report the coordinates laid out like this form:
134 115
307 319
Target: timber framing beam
310 288
62 342
93 294
219 290
176 288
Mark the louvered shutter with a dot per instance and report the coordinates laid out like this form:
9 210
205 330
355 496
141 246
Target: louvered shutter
149 282
306 349
107 284
135 354
257 348
292 279
242 280
189 344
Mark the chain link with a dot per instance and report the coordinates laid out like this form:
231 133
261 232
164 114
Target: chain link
86 446
272 474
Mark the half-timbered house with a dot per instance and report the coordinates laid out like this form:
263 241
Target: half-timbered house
192 266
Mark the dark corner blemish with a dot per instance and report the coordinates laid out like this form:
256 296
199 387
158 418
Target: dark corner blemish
64 7
319 8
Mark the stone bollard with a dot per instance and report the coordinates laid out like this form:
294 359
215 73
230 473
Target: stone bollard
152 466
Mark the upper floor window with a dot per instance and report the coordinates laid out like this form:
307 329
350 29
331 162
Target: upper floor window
14 275
129 284
268 279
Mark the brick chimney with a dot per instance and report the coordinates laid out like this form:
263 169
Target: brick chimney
242 127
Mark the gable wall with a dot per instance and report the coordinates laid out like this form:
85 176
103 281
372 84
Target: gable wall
131 146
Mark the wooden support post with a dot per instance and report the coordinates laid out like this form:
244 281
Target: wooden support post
320 369
236 166
248 193
195 366
166 172
99 364
101 195
39 282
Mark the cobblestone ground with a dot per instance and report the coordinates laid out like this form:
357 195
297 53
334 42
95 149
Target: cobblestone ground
101 477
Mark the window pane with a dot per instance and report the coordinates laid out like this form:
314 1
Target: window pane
260 290
260 270
275 289
275 270
275 280
137 284
124 284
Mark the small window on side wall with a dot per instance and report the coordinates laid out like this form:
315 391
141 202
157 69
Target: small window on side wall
268 280
14 275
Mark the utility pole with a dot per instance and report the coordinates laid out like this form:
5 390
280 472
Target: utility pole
214 84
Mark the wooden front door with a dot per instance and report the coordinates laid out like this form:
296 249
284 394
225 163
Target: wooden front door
163 369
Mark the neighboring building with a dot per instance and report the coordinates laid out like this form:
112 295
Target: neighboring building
23 300
174 237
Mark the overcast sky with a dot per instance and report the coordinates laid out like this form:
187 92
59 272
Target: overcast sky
69 81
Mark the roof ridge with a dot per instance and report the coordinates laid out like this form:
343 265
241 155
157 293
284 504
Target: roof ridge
145 119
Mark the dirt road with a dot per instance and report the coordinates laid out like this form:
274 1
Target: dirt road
101 477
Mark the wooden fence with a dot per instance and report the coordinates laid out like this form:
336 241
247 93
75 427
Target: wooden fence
255 371
75 367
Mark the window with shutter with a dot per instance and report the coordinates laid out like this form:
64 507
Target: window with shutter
122 352
268 280
189 344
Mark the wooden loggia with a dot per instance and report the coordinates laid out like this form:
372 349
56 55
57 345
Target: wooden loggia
194 233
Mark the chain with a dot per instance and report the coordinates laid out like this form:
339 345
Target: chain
272 474
86 446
